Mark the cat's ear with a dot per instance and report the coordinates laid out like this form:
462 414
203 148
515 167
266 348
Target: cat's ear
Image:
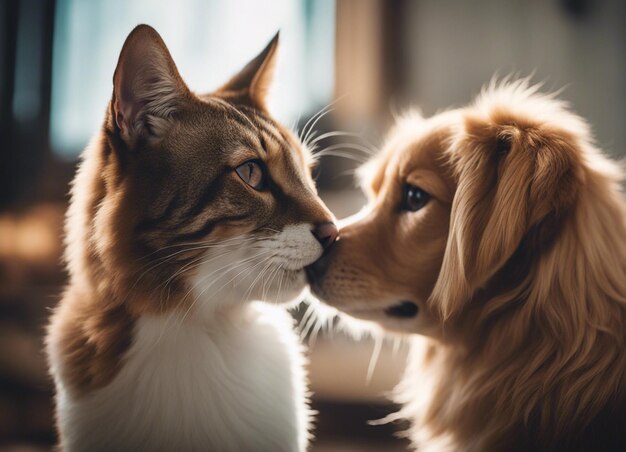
147 88
251 85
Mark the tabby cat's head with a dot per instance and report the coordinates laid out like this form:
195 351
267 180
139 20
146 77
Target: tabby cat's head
202 196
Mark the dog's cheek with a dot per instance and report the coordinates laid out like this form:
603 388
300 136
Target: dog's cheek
346 285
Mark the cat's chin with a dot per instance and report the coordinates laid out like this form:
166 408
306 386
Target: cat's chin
270 270
288 291
286 287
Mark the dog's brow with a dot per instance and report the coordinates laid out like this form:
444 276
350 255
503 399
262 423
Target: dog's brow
431 182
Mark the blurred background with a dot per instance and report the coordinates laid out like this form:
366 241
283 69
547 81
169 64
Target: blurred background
363 60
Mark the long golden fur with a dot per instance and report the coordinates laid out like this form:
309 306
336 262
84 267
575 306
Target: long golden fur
517 264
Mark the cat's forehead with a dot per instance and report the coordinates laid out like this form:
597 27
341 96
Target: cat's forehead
217 129
279 139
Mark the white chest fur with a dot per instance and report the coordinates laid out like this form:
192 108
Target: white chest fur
233 384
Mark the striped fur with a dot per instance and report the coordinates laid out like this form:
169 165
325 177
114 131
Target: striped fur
156 344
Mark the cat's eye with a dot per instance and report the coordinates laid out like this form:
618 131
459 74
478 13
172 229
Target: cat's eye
414 198
252 174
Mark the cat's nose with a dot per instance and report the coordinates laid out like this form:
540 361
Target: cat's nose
326 234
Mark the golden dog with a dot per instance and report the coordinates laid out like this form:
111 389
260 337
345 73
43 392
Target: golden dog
497 232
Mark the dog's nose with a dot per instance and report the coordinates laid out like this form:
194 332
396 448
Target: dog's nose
316 271
326 234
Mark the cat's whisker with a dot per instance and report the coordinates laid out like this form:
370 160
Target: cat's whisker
223 271
168 257
307 137
338 153
321 111
279 271
269 229
268 264
187 267
270 281
311 136
280 281
343 155
208 243
163 261
258 277
237 265
314 119
194 264
220 271
340 146
367 148
190 265
218 290
274 275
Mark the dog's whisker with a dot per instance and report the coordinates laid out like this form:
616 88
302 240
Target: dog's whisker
396 342
318 325
378 344
305 318
313 318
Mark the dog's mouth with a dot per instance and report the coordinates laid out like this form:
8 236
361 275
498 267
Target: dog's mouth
403 310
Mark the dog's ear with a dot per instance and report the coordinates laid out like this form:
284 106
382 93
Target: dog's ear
251 85
514 176
147 88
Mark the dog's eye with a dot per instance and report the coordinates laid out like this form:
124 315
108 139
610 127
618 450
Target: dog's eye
252 174
414 198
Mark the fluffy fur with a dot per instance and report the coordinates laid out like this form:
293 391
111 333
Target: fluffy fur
234 381
517 264
158 342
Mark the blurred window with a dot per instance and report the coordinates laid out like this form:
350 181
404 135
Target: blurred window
209 39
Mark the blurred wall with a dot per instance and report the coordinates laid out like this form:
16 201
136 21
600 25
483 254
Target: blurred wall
455 47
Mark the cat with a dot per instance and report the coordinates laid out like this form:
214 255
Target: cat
185 209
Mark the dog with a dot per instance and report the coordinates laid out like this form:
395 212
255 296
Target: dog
495 235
